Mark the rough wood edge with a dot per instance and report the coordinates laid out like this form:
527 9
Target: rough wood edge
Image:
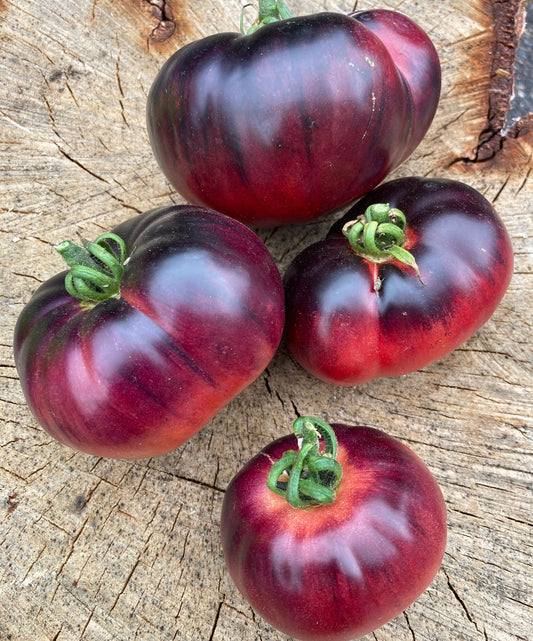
509 21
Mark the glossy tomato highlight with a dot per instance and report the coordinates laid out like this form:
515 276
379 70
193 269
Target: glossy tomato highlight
341 552
296 119
155 328
406 276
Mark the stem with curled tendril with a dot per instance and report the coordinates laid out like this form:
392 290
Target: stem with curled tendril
95 268
308 477
379 234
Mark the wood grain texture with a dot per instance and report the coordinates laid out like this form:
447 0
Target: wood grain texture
100 550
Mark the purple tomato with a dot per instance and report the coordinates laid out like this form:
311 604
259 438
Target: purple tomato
153 330
407 275
296 119
333 531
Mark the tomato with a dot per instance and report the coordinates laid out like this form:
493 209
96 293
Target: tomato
332 540
296 119
388 296
183 309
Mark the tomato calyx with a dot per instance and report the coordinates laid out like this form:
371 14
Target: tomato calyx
96 268
269 11
308 477
378 235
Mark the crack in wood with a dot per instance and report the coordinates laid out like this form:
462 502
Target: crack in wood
123 203
128 579
508 18
296 411
187 479
184 546
413 636
39 280
526 178
217 615
71 548
266 379
461 601
120 90
519 601
56 636
80 165
162 12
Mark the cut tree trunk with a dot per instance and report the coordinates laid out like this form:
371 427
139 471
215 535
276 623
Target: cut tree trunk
95 549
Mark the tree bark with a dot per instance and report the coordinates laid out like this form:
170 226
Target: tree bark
94 549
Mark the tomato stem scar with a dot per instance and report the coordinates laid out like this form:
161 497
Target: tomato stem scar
308 477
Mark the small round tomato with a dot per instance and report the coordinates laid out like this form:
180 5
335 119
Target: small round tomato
333 531
296 119
407 275
154 329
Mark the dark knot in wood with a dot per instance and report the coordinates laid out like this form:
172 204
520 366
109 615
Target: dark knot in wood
162 12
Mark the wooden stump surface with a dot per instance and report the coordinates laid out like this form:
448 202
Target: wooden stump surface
99 550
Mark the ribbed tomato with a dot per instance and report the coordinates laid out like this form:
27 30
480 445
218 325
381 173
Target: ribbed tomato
407 275
296 119
156 327
333 531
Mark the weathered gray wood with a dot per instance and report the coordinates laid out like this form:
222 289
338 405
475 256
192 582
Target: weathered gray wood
101 550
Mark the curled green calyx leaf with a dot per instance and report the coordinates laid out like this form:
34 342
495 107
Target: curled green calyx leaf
95 267
268 11
311 475
379 235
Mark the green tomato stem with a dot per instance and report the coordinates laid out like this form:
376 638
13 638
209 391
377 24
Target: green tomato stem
378 235
96 268
308 477
268 11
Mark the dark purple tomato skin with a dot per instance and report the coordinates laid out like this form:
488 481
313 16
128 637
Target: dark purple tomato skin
295 120
336 572
199 317
416 60
349 320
